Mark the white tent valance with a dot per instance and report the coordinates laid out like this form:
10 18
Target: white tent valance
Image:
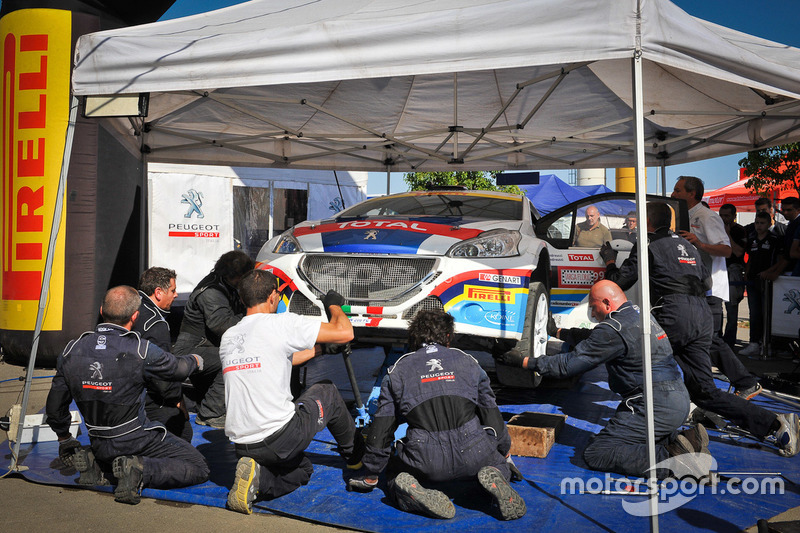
443 85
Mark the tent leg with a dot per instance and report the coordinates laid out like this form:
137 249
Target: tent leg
644 287
663 177
48 270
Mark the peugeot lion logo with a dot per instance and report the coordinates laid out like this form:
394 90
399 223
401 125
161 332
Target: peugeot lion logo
371 235
97 370
435 364
195 201
682 250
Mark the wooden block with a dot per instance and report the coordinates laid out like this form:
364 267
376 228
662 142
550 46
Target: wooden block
533 434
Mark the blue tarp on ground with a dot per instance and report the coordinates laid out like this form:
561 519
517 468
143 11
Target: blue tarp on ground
588 406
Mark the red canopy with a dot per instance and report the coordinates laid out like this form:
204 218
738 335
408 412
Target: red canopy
737 194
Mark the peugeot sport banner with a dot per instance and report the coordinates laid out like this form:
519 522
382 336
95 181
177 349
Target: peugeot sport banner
786 306
190 224
35 111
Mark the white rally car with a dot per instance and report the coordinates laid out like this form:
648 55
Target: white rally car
472 253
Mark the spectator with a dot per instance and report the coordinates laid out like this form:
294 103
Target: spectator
630 226
591 233
791 210
764 251
776 228
735 264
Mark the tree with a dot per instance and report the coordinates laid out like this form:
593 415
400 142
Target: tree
776 168
473 180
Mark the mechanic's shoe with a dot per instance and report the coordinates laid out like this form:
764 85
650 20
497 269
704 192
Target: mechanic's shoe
788 435
359 447
752 349
414 498
129 471
511 504
217 422
85 464
245 486
749 393
686 462
361 484
697 437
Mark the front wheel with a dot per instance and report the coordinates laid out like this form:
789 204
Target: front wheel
533 343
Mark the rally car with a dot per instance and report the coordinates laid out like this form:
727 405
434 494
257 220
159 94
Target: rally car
473 254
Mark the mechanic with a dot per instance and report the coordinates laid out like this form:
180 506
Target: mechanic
591 233
455 430
105 372
678 292
616 341
709 237
164 399
212 308
270 432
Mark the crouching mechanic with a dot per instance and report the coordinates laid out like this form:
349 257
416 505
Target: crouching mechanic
455 430
105 371
616 341
269 430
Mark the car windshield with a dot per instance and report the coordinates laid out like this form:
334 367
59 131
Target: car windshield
460 205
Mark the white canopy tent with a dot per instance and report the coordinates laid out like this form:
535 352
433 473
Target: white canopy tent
447 85
387 85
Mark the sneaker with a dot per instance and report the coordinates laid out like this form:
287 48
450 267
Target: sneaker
788 435
414 498
217 422
697 437
245 486
686 462
754 348
85 464
361 484
750 392
511 504
129 471
359 447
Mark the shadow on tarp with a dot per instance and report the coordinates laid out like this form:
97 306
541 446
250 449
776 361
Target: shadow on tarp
588 406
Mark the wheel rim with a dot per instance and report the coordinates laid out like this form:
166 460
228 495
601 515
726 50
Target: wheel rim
539 341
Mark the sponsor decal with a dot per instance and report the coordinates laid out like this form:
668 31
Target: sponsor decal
97 385
434 364
371 235
101 344
500 318
321 411
35 92
564 303
195 201
193 230
425 228
580 257
97 370
363 321
243 366
500 278
488 294
793 297
439 376
241 363
580 277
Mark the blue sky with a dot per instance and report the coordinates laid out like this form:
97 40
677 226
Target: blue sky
777 21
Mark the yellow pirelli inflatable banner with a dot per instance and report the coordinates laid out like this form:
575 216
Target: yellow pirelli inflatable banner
35 112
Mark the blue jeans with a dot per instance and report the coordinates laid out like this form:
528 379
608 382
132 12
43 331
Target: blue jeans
621 446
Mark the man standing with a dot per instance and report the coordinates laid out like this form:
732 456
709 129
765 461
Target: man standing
455 430
791 210
164 400
735 266
212 308
616 342
591 233
678 293
270 431
775 227
105 371
708 236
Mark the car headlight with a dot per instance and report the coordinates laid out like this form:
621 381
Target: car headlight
287 244
494 243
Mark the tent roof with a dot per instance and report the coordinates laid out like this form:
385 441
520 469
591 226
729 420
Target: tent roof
443 84
740 196
551 193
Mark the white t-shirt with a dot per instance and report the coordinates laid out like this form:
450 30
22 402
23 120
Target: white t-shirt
256 356
710 229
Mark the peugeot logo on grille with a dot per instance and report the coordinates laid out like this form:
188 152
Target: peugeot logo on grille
371 235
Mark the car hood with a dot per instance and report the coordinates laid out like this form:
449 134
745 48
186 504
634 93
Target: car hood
392 235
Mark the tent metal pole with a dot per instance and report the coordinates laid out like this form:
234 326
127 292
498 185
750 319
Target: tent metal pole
48 270
644 287
144 202
388 180
663 177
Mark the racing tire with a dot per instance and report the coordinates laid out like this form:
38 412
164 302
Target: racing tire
533 343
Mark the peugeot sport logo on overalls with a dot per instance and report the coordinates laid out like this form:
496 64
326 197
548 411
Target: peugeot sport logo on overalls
97 370
435 364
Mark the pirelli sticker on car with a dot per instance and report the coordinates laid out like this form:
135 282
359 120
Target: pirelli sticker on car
488 294
500 278
579 277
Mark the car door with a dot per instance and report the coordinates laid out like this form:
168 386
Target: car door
574 234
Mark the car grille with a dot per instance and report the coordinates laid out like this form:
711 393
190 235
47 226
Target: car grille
375 281
301 305
431 303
